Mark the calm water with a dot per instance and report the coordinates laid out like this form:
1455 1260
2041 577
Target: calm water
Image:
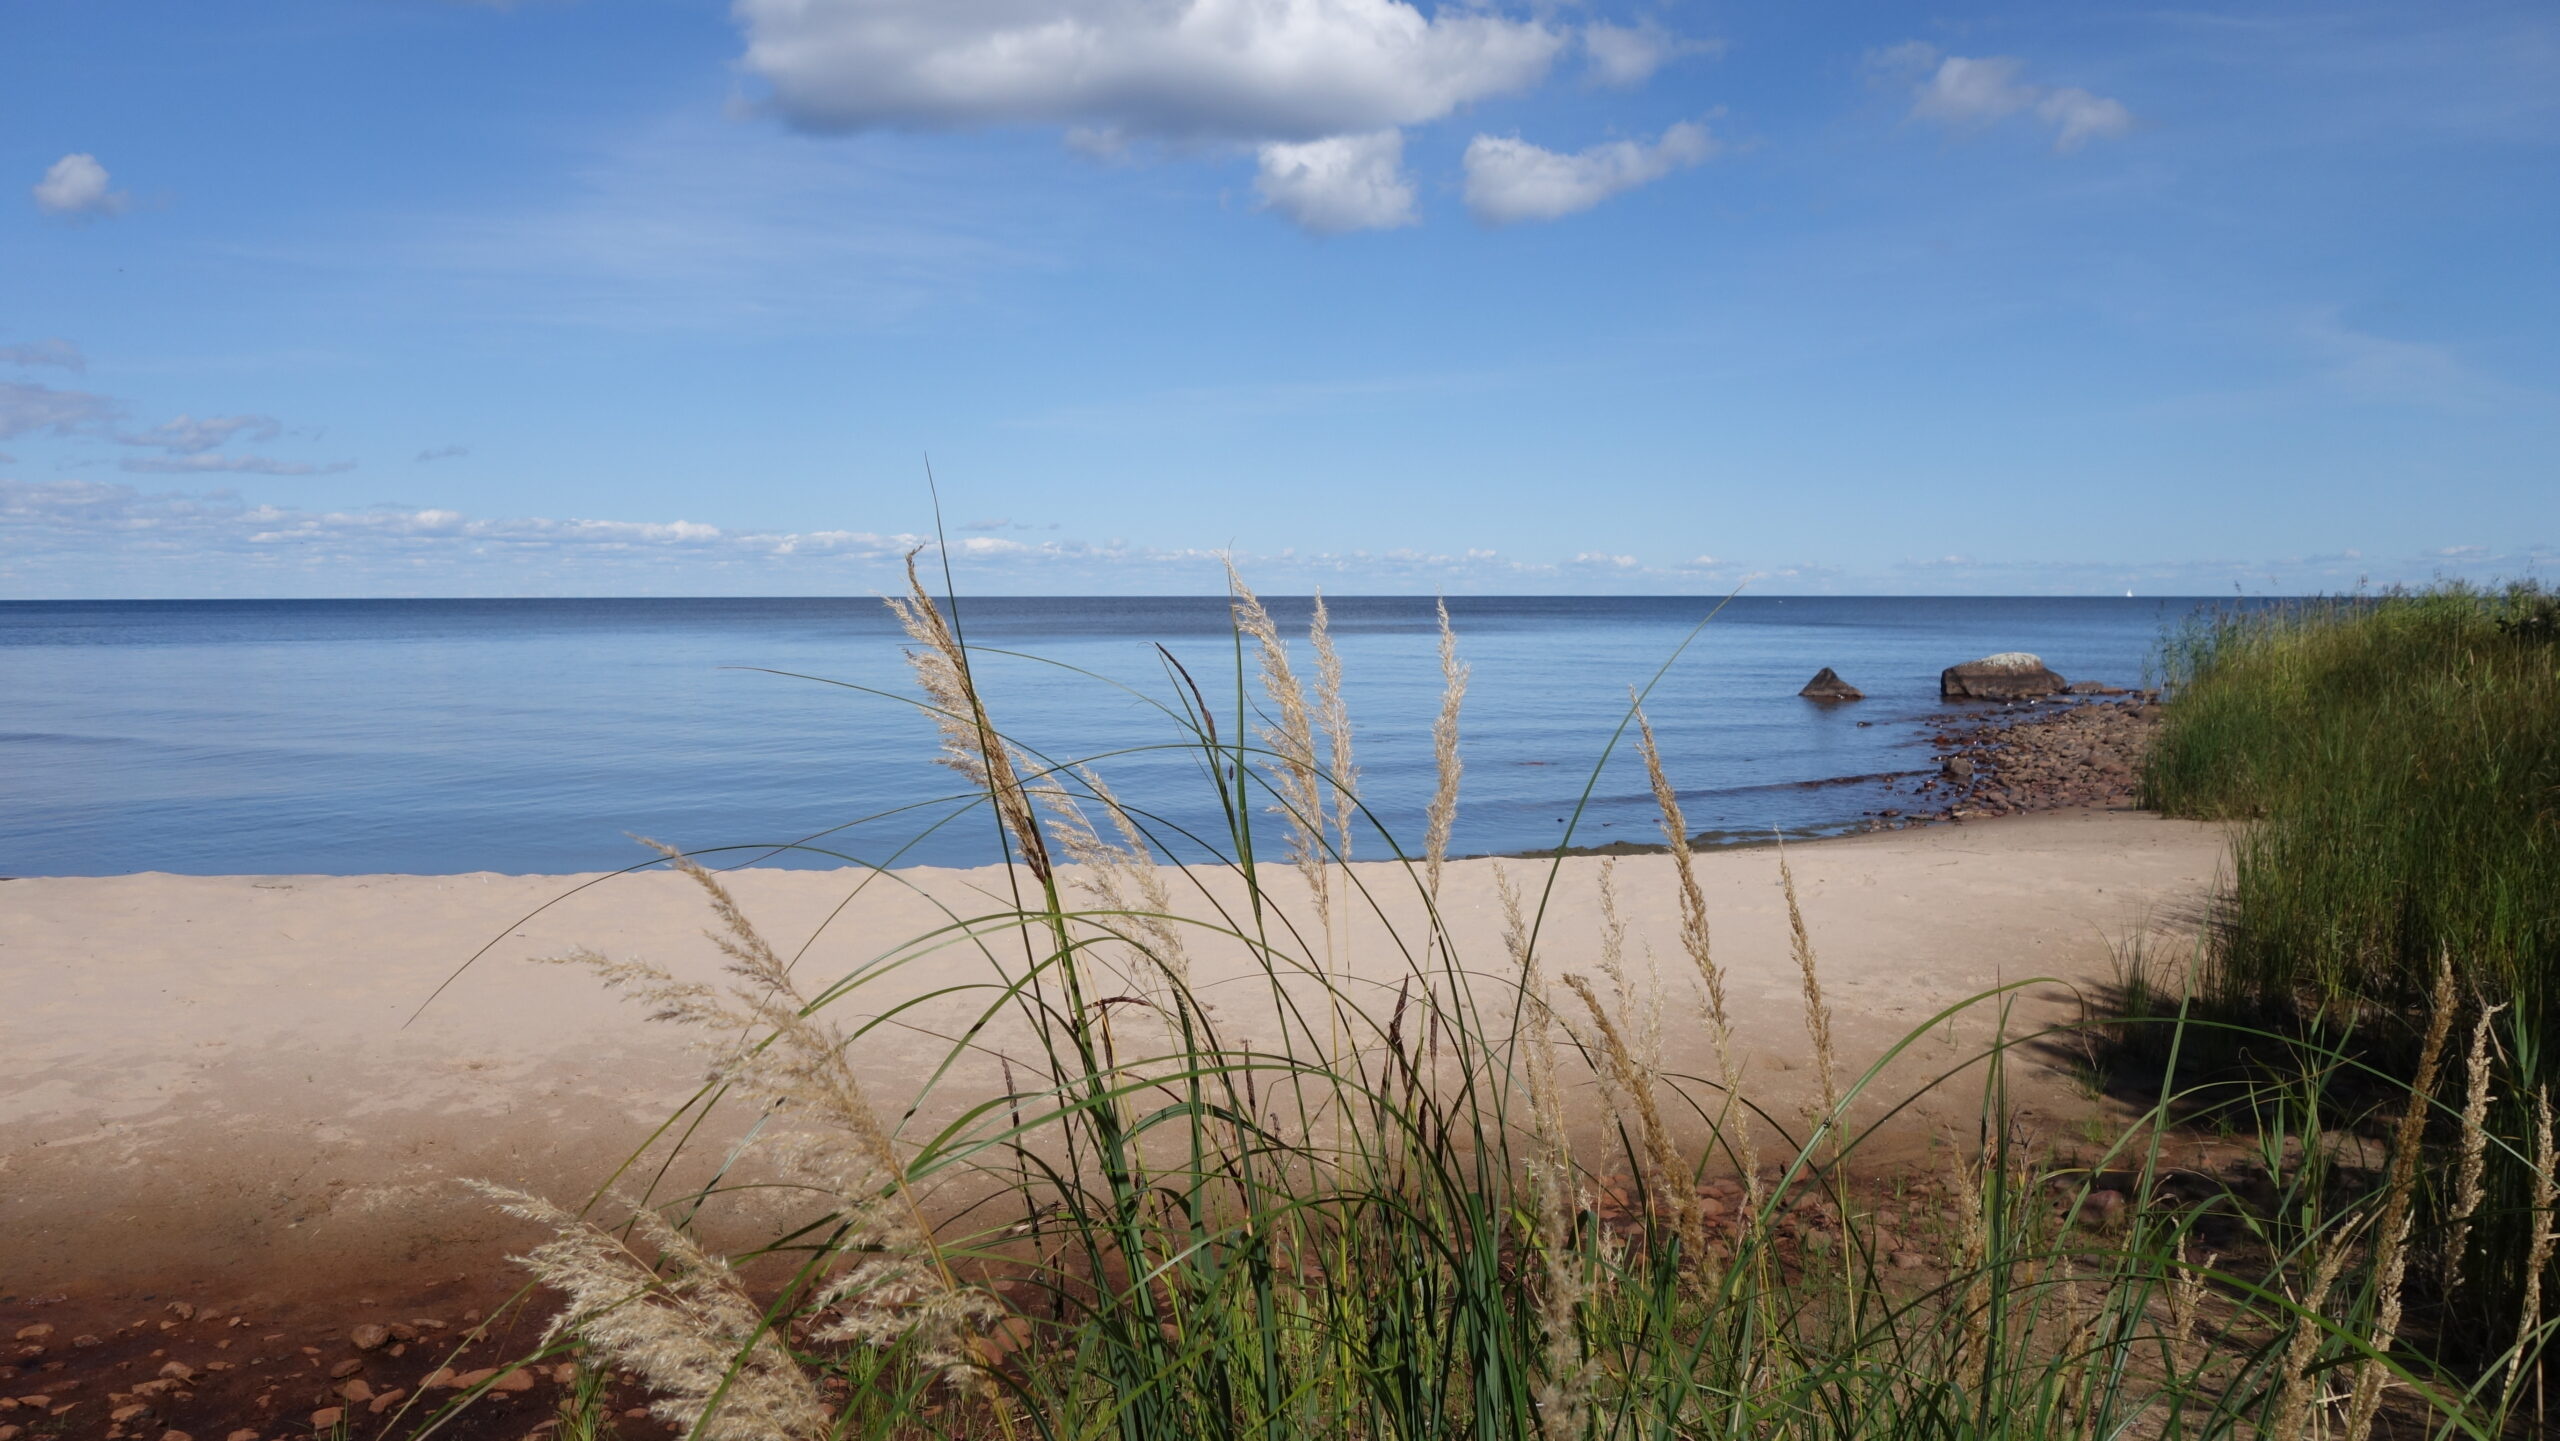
538 735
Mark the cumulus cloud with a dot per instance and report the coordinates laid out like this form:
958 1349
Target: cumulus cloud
443 452
1627 55
1253 70
187 435
1970 92
77 186
184 464
1338 184
25 408
56 351
1511 180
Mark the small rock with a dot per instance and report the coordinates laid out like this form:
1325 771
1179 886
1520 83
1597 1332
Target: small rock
1906 1260
356 1390
368 1337
442 1376
403 1332
1957 768
326 1417
36 1332
243 1434
2103 1206
345 1369
122 1414
1827 685
386 1400
178 1371
175 1436
182 1310
85 1342
513 1381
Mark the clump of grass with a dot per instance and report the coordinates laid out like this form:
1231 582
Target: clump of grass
1375 1218
2393 764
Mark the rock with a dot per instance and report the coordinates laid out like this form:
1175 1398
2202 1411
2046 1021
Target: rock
1827 685
326 1417
243 1434
345 1369
355 1390
368 1337
1906 1260
127 1412
175 1436
1956 768
2093 687
518 1380
2010 675
36 1332
182 1310
178 1371
85 1342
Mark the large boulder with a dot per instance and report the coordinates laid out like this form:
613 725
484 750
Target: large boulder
2010 675
1827 685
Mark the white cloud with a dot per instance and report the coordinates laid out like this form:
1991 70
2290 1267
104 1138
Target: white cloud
187 435
228 465
2079 117
1510 180
1338 184
25 408
77 186
1627 55
1970 92
1252 70
56 351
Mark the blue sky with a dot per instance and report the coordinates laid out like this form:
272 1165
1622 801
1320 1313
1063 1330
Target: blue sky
651 297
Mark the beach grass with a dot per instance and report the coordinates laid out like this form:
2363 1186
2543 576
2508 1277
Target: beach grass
2394 764
1381 1213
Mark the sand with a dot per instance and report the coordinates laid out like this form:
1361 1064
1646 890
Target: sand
240 1082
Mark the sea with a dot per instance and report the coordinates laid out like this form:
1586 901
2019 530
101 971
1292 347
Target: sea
546 736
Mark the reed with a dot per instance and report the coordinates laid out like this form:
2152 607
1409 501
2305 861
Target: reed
1180 1231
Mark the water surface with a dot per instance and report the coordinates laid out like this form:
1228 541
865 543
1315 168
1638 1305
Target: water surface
436 736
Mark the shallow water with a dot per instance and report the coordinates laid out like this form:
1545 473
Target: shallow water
433 736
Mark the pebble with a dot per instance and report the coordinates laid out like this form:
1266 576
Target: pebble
345 1369
326 1417
243 1434
36 1332
368 1337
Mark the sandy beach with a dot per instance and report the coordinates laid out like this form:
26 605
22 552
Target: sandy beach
236 1084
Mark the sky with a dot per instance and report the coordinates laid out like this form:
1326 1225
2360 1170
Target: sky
568 297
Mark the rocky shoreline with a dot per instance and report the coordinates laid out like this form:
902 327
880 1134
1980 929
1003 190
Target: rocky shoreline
2037 756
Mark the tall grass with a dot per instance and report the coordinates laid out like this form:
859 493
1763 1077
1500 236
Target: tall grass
2398 759
1385 1212
2395 763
